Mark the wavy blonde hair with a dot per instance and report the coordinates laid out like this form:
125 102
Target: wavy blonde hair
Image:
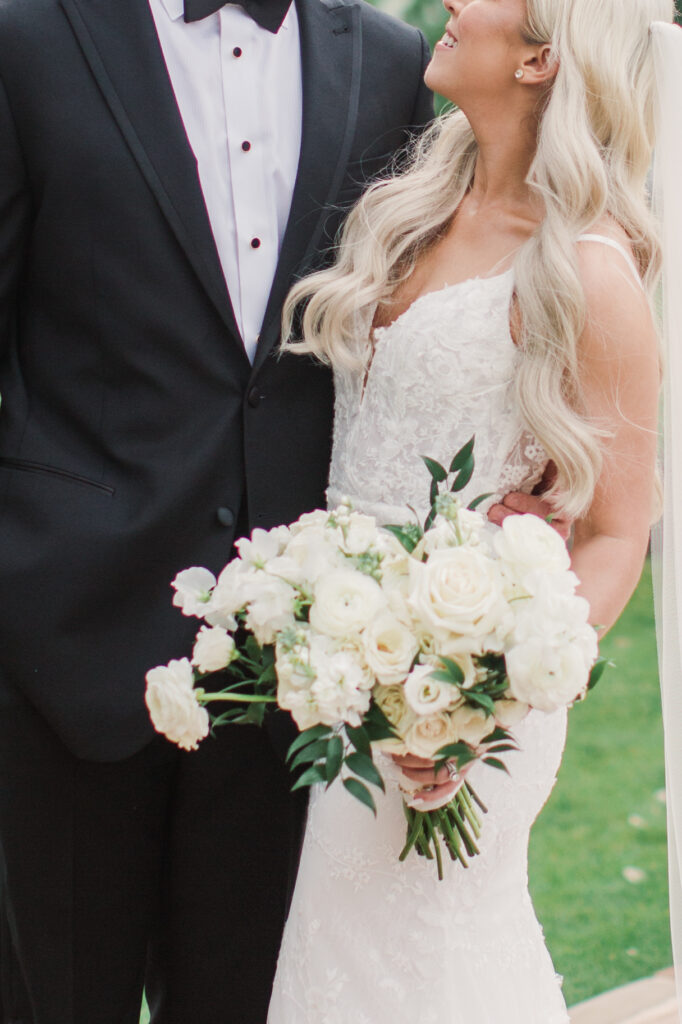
595 140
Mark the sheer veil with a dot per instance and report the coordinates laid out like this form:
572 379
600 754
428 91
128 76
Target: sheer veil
667 538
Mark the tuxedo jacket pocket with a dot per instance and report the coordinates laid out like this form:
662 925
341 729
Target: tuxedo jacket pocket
27 466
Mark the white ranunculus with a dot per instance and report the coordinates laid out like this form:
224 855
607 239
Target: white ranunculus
345 602
263 545
173 706
193 589
390 648
471 724
426 695
509 713
214 649
546 676
428 735
271 608
526 543
458 591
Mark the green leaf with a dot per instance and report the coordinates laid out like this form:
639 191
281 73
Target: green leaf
433 493
496 763
310 777
456 751
377 725
438 472
359 738
598 669
306 737
252 648
464 476
456 673
255 713
312 752
498 735
334 758
473 505
361 793
406 536
463 455
481 700
362 765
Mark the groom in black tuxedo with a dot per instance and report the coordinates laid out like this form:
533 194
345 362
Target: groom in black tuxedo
145 424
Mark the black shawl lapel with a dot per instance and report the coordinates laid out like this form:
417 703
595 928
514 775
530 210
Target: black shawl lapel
119 41
331 51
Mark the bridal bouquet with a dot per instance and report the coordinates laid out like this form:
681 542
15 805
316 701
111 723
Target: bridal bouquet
432 640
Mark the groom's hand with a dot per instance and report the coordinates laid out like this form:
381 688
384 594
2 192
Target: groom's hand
535 504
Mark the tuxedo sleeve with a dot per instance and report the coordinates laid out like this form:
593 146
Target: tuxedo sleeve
14 220
423 111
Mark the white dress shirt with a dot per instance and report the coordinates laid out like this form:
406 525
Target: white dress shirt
239 91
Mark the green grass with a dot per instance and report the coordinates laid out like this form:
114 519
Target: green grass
606 815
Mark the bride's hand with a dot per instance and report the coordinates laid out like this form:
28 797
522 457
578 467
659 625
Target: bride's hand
433 788
516 503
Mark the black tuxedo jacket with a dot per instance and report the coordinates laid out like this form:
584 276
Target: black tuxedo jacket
134 432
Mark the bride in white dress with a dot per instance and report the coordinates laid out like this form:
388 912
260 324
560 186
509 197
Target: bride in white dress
500 286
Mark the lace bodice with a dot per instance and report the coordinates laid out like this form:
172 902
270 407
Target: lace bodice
441 372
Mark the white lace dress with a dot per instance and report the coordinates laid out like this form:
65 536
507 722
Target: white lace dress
370 940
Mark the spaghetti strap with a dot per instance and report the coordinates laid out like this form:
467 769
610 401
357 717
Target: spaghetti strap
619 248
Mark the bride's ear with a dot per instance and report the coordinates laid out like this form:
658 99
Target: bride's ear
539 66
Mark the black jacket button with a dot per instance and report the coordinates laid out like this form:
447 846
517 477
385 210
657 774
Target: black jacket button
225 516
254 397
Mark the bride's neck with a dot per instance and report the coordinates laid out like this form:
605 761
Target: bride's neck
504 159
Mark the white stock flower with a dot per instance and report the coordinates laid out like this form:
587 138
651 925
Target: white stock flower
545 675
230 595
193 590
270 608
173 706
340 689
526 543
429 734
345 602
458 591
314 552
214 649
426 695
262 546
360 534
509 713
390 648
471 724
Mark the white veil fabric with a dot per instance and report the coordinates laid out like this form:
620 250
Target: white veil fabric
667 536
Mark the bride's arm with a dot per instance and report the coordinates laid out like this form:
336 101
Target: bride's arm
620 377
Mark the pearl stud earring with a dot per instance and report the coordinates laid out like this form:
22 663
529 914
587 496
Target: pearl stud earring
518 74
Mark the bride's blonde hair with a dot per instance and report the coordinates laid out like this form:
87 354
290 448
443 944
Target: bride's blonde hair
593 154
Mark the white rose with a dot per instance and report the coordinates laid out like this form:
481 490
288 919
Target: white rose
509 713
457 591
173 706
546 676
471 724
270 609
390 648
527 542
345 601
425 695
428 735
193 590
214 649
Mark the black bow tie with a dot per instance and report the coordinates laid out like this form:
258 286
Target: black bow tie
269 14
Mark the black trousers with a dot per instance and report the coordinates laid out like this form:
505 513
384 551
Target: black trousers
168 870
